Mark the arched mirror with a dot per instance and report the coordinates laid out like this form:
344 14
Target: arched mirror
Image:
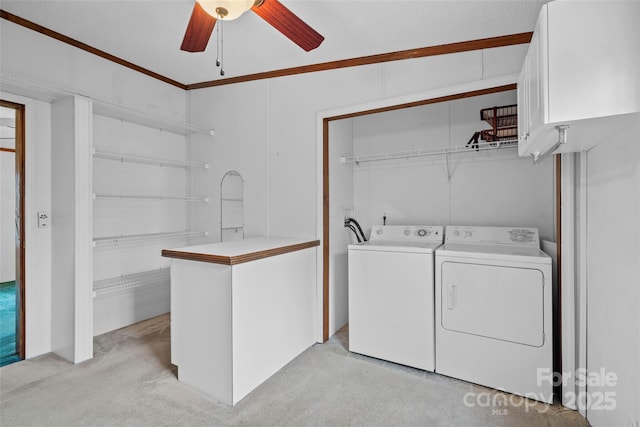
231 207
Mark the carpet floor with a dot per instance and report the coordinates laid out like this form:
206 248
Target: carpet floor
131 382
7 322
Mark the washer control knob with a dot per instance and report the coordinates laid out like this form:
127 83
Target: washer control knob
407 232
421 232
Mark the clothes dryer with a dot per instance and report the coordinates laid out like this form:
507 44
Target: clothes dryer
494 309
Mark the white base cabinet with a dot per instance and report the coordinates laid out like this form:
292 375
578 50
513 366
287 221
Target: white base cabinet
582 73
233 325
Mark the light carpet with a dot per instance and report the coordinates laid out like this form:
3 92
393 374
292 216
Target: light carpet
131 382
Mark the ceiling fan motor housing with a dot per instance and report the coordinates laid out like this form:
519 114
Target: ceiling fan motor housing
226 9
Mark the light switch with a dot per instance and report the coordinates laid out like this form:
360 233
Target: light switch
43 219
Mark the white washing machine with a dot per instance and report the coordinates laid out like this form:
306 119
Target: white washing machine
391 306
494 310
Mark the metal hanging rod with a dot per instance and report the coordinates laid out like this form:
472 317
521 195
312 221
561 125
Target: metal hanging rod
399 155
194 199
132 158
130 281
135 238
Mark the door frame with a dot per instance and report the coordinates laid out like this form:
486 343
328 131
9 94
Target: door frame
466 90
20 223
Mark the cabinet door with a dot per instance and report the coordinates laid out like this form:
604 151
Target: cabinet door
594 61
523 112
535 77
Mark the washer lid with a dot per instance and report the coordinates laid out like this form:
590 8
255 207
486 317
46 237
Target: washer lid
494 252
396 246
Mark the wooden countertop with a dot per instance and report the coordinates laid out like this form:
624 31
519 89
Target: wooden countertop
239 251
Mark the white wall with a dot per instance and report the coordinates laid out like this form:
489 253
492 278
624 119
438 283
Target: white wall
38 240
33 58
239 144
493 188
613 275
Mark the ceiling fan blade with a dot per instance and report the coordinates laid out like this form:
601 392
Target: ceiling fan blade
285 21
198 31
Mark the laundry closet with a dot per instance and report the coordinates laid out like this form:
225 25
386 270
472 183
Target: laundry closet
417 166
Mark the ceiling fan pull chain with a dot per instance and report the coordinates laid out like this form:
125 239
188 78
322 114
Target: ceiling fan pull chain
217 45
221 47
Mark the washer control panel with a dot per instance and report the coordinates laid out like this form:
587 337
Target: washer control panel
521 236
429 233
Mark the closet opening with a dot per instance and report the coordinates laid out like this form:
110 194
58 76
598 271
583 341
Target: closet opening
453 179
12 233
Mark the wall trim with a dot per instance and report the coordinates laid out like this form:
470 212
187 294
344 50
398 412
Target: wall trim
87 48
443 49
469 94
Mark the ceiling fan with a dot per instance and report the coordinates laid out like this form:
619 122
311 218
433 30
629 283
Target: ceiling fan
206 12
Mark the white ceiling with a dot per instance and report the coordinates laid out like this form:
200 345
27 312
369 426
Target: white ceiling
149 32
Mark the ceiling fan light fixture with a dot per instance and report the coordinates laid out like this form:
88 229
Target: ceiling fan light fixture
226 9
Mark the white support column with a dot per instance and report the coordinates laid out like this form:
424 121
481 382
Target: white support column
71 226
580 350
574 276
567 275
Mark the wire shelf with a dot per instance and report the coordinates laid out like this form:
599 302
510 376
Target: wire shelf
120 112
135 238
130 281
132 158
498 145
193 199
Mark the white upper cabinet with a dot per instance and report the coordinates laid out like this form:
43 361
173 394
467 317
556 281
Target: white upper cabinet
580 81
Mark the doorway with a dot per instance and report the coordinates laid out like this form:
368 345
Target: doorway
325 226
12 252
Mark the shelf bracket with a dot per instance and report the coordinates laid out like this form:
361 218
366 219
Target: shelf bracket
562 139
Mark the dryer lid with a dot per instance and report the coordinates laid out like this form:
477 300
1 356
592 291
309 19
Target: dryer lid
524 237
494 252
